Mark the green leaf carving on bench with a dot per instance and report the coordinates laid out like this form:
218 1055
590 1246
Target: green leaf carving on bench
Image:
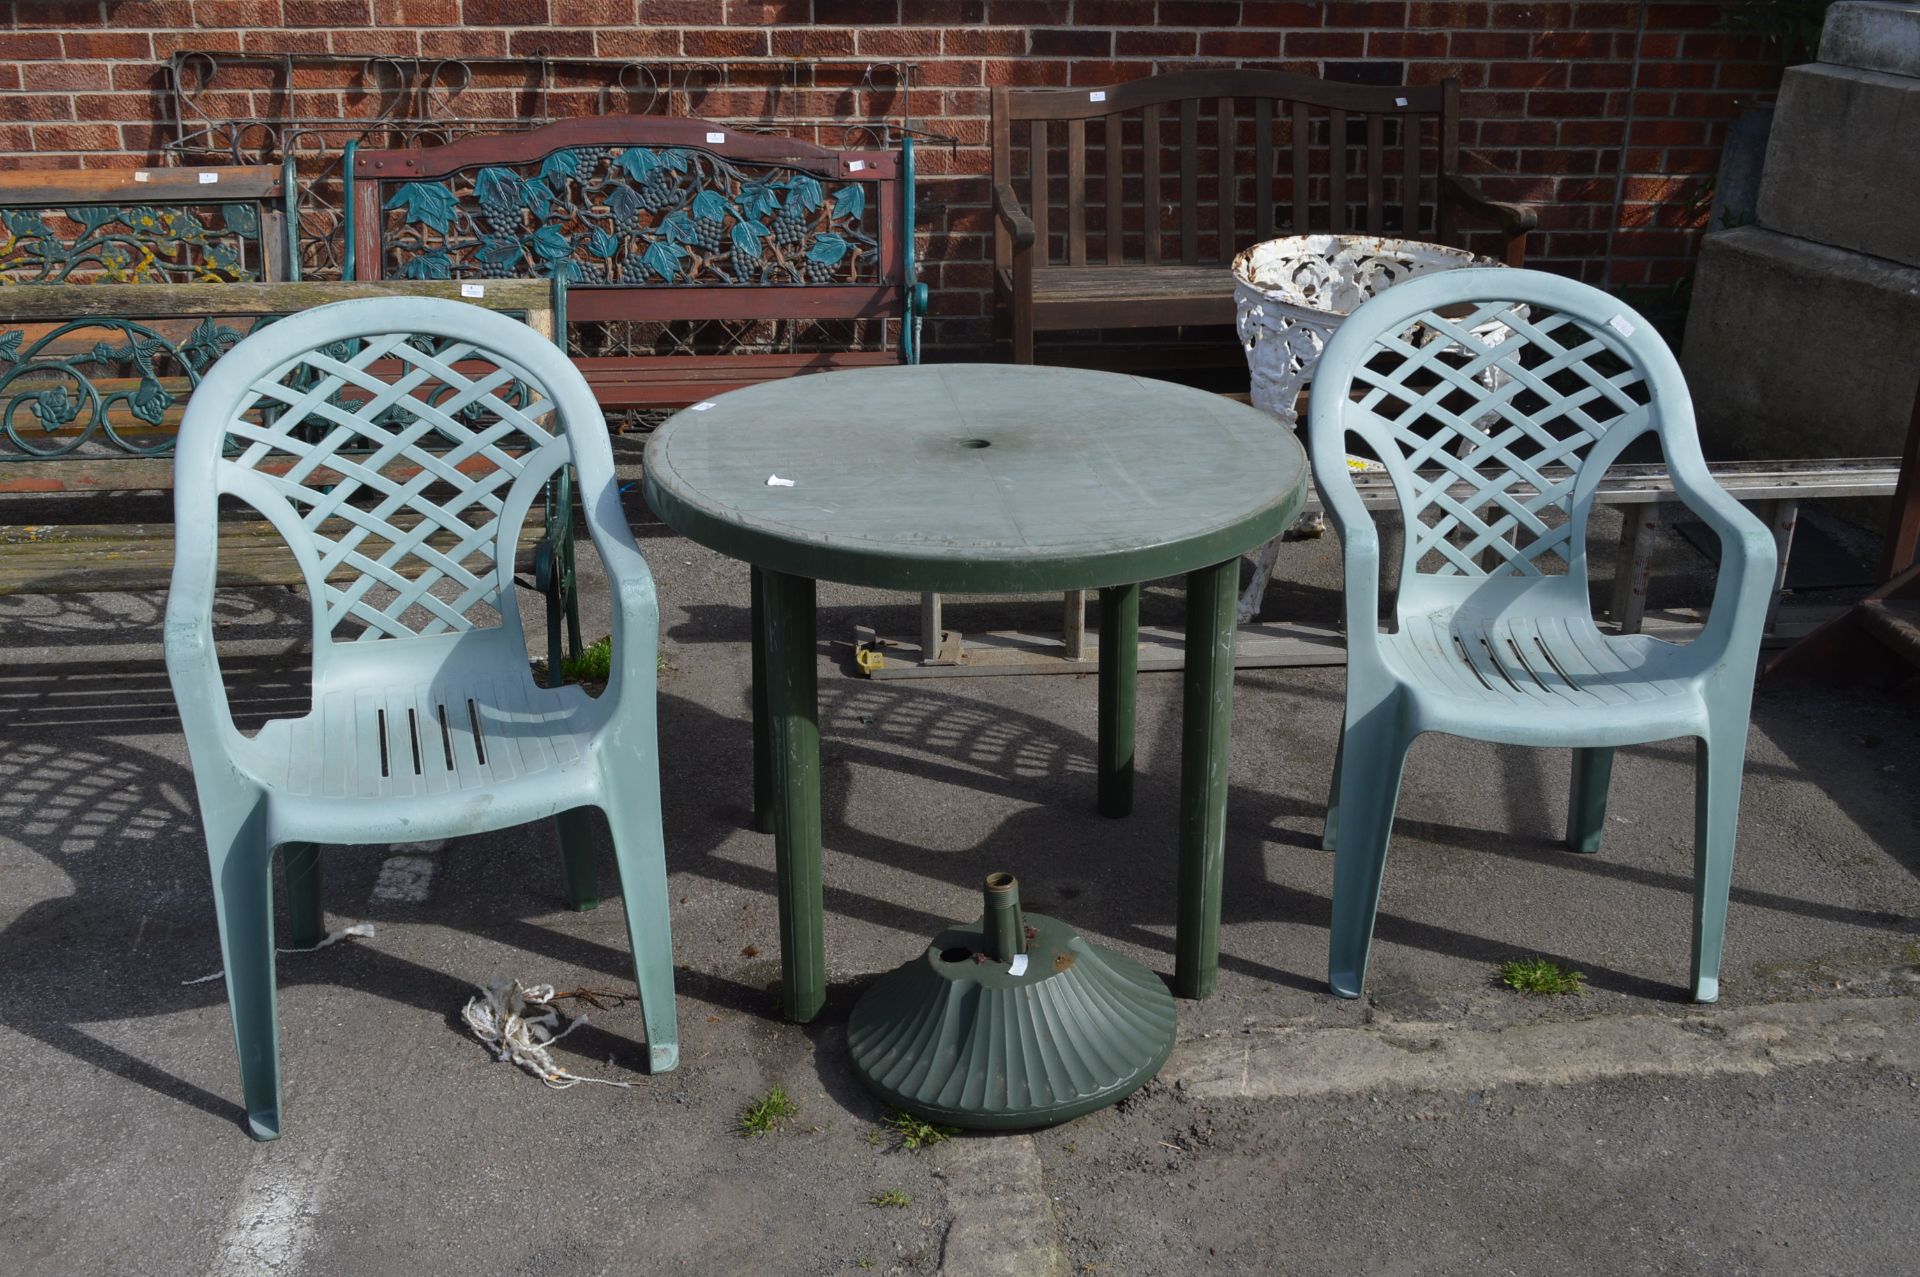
107 383
635 215
138 244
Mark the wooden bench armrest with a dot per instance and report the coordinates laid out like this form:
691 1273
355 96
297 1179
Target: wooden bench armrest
1006 208
1459 195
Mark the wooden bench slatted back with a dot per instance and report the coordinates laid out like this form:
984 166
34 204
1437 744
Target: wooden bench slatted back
1188 168
145 226
649 219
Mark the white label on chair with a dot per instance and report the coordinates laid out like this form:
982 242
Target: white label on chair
208 179
1621 325
1098 95
473 290
775 481
141 175
714 139
702 406
1019 964
1399 101
854 166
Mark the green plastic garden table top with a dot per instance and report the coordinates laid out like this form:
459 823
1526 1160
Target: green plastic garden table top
975 477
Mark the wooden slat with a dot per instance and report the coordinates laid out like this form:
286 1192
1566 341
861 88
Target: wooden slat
1116 192
52 302
1302 174
1263 227
1150 139
1189 181
1444 229
1410 175
1002 173
1212 82
1337 172
1376 173
1076 192
1229 201
1041 192
48 187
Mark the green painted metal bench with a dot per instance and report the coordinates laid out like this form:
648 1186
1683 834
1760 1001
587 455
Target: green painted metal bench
695 258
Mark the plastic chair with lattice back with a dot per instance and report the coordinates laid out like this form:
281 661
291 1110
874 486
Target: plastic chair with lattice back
397 445
1496 399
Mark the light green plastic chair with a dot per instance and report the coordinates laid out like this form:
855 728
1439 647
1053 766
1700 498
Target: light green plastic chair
1496 400
397 445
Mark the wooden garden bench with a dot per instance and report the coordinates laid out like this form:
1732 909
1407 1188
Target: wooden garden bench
1133 217
672 236
94 381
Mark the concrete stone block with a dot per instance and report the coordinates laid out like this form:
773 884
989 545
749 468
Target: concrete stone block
1873 37
1843 161
1795 349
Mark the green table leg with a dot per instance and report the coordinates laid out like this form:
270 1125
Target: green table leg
762 743
1119 662
793 737
1205 733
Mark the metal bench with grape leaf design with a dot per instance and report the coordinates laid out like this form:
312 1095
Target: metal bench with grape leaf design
694 258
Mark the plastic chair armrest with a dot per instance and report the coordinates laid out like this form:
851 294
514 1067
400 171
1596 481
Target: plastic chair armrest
1748 557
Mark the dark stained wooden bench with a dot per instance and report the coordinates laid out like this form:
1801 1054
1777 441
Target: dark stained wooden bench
1123 206
659 226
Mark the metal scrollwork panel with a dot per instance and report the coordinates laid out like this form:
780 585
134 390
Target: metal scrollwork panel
140 244
115 382
632 215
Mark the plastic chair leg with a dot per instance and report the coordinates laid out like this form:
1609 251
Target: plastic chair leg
1587 799
306 918
576 854
1718 762
1331 829
242 866
1373 756
632 803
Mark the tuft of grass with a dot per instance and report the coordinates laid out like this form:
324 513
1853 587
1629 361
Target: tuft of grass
913 1134
1542 976
863 1262
594 662
891 1197
764 1115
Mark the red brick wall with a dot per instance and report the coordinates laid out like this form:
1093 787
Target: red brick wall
1604 114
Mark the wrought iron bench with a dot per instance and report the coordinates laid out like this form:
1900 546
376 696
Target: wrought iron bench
1206 147
93 383
672 237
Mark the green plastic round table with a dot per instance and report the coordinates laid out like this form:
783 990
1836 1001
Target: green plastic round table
982 478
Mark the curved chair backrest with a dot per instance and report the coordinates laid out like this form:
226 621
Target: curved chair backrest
398 446
1485 379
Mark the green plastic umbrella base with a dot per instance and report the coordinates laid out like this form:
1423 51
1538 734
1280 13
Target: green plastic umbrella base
955 1039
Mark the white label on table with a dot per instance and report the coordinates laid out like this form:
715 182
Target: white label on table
714 139
1399 101
775 481
473 290
702 406
208 179
1098 95
1018 966
1622 325
141 175
854 166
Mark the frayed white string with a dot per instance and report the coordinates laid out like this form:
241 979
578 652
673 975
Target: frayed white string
358 931
517 1023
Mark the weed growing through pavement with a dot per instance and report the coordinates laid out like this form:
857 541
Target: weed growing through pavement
1541 975
913 1134
892 1197
764 1115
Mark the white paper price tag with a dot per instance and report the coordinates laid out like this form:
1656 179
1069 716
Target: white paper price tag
208 179
775 481
1098 95
1018 966
141 175
1399 101
473 290
1622 325
701 407
714 139
854 166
